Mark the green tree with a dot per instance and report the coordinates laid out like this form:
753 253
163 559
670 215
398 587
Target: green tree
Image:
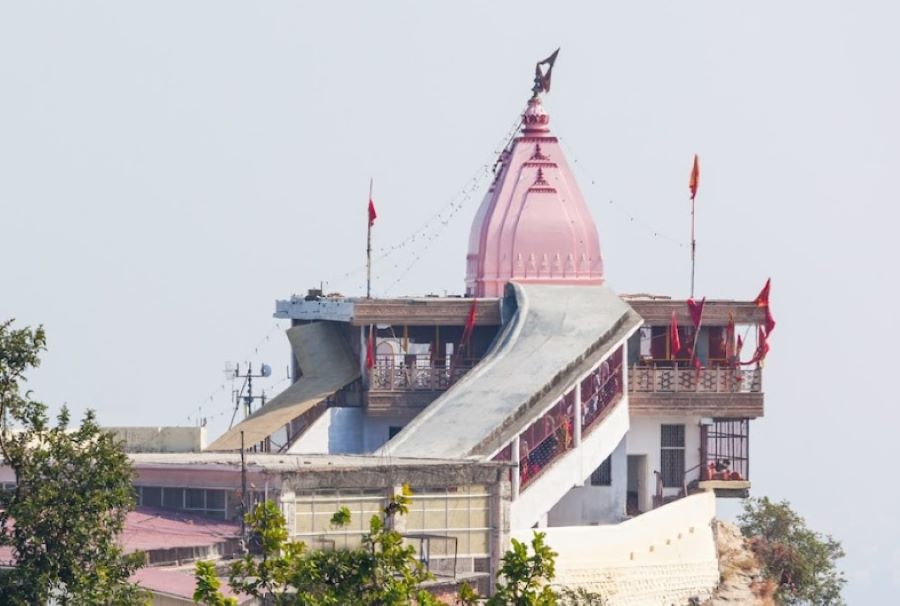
73 491
525 578
383 571
801 561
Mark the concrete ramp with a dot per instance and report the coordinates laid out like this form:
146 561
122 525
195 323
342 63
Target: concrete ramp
553 332
327 364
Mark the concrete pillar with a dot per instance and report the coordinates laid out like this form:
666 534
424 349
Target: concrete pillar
577 428
515 475
398 522
286 502
500 500
363 349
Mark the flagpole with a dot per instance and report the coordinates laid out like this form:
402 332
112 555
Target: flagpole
693 247
369 247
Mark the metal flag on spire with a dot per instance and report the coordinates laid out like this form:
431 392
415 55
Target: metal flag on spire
542 78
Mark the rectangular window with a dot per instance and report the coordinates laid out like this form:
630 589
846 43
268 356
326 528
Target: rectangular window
173 498
672 455
194 498
215 500
602 476
151 496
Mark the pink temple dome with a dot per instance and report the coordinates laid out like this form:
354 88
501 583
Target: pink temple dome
533 224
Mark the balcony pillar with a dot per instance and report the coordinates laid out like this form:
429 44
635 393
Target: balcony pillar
515 476
576 430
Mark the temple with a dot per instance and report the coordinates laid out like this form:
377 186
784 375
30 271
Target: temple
536 398
533 226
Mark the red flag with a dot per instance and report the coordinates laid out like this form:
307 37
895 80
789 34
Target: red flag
696 310
370 350
762 345
770 321
674 338
470 322
729 337
695 177
762 299
372 214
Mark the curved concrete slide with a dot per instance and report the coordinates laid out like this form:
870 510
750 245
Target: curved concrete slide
555 333
327 364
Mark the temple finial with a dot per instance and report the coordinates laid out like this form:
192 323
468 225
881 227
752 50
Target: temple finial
542 78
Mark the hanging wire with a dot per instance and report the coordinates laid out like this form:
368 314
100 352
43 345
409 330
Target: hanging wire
430 231
619 207
472 188
221 387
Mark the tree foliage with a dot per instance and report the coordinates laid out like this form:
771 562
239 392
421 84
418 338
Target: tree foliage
801 561
524 578
383 571
73 491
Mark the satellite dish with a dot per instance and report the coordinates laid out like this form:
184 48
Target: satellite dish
266 370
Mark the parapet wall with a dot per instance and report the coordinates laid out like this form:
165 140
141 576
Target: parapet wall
161 439
665 556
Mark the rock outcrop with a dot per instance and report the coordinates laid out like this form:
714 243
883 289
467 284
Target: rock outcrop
742 581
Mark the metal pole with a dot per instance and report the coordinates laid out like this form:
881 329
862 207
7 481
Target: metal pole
369 246
243 495
693 247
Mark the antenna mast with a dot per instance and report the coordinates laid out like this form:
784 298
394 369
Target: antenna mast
265 371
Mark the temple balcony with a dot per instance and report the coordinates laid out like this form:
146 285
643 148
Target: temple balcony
723 466
412 381
679 388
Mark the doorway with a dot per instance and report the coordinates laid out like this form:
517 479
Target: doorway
636 497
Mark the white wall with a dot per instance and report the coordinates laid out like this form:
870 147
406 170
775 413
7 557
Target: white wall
161 439
339 430
665 556
572 469
347 430
644 438
375 429
586 504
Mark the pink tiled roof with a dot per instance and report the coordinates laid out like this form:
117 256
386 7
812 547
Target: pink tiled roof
173 581
147 529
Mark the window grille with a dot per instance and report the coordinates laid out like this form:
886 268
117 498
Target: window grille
727 450
672 455
210 502
602 476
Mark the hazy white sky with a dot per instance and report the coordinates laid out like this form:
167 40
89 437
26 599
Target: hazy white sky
168 169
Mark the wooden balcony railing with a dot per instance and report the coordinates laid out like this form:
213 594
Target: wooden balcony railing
416 373
677 379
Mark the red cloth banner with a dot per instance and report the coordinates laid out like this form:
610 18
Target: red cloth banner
729 337
695 177
696 310
770 321
370 350
470 322
372 214
762 299
675 339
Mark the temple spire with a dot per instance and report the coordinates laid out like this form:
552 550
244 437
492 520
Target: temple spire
533 224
